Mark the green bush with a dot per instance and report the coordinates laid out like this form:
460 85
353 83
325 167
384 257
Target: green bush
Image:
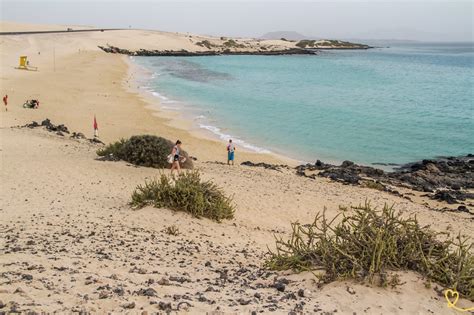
112 150
186 193
145 150
366 244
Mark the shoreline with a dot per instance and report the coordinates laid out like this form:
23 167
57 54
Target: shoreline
178 119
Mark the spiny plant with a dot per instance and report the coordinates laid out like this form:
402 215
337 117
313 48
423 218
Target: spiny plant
366 244
143 150
186 192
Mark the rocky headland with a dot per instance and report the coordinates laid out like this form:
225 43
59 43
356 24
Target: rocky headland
187 53
224 46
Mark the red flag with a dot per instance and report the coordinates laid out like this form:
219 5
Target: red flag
95 124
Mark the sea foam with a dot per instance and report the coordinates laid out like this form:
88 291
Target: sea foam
223 136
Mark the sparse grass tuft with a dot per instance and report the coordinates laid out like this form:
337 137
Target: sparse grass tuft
172 230
186 192
367 243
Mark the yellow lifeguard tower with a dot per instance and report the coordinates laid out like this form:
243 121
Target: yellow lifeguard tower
24 64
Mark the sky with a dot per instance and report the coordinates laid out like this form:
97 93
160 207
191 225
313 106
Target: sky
426 20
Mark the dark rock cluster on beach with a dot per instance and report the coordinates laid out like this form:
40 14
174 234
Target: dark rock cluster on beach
186 53
60 130
275 167
445 179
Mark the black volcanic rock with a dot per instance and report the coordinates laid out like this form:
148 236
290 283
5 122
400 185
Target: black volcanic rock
446 178
146 292
275 167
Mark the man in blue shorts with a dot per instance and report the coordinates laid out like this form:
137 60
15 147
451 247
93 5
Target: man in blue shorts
230 152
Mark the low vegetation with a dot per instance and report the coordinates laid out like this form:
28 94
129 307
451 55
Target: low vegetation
186 192
206 43
145 150
172 230
366 244
112 150
233 44
305 43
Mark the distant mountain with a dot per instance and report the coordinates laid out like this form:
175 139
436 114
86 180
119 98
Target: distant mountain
290 35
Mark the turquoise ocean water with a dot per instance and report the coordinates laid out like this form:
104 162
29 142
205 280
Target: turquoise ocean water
384 105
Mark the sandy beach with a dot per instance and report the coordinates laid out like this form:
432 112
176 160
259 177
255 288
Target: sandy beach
71 242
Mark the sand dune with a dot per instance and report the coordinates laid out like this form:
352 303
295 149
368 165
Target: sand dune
70 241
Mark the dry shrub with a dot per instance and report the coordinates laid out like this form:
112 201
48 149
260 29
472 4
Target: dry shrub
367 243
186 193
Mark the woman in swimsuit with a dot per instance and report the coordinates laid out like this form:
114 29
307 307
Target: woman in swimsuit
176 157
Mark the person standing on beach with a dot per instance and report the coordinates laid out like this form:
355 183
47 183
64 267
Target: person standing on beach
5 101
176 156
230 152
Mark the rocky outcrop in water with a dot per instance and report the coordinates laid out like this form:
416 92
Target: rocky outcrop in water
186 53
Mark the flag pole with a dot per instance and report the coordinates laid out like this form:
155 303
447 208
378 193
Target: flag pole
96 128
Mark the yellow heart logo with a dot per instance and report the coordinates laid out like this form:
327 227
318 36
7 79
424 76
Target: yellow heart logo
452 297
